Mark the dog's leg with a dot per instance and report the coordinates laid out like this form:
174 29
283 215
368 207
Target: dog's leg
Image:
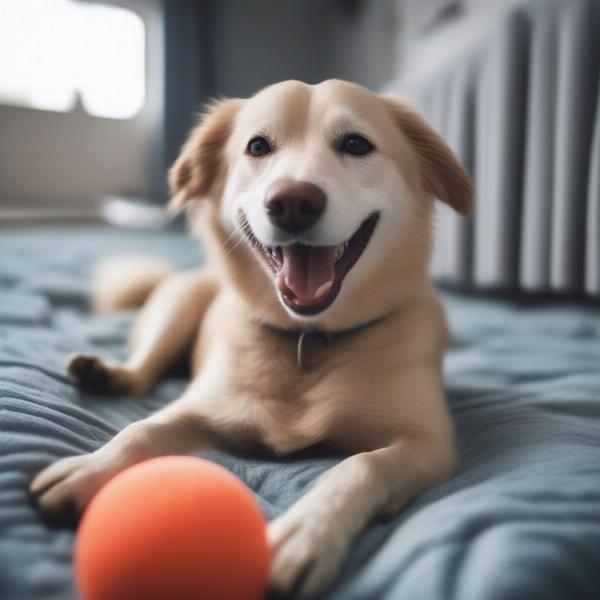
310 540
66 486
164 329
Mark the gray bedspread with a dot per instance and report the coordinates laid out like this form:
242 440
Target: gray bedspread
521 519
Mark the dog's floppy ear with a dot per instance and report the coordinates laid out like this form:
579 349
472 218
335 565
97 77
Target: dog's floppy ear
442 174
200 161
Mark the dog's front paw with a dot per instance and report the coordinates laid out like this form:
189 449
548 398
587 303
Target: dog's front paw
65 488
307 548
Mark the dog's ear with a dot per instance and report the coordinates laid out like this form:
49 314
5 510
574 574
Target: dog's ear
442 174
201 159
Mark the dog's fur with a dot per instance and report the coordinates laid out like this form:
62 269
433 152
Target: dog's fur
376 393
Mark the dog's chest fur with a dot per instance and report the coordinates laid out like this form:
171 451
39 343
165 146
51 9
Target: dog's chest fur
259 396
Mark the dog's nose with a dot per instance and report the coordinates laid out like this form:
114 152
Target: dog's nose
294 205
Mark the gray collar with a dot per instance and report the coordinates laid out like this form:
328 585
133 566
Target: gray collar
306 337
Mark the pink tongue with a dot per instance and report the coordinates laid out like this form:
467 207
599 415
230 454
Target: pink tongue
308 272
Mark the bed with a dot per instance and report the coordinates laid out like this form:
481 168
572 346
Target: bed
521 519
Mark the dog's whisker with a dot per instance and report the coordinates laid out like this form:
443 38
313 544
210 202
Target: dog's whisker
232 243
226 242
244 232
234 247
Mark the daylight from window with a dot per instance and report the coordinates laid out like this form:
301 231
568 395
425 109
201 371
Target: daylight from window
54 52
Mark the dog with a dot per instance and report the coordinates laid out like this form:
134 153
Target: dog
314 320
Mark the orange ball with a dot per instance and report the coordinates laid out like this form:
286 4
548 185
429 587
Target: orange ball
172 528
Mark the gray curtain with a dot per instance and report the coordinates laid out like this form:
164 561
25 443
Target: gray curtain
522 111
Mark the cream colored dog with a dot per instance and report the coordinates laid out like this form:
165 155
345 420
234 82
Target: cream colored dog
315 319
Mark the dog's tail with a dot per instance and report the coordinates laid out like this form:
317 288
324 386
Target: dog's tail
125 282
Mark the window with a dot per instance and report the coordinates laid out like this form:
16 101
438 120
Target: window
54 53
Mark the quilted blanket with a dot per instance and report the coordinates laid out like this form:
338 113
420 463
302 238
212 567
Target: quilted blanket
520 520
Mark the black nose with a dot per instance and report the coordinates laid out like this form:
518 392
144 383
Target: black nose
294 205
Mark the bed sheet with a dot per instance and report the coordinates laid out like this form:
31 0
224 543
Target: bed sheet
520 520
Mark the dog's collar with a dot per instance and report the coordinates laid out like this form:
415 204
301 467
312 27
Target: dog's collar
316 335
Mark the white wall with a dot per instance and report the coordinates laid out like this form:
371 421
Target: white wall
74 154
373 42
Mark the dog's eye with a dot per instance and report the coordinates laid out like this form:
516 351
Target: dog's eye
258 146
356 144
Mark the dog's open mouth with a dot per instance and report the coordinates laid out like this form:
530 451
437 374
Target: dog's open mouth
309 278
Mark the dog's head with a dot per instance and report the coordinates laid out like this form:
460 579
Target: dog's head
328 189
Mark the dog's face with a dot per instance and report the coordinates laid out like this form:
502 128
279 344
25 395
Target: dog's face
323 183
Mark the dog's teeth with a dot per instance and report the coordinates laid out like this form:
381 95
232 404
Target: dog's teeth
339 251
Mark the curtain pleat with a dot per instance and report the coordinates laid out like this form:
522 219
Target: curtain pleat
592 253
539 157
460 134
522 112
578 40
